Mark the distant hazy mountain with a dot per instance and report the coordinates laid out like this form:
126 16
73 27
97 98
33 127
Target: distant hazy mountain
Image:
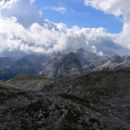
59 65
27 65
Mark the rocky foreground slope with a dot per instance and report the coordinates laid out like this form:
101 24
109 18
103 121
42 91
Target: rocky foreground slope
97 101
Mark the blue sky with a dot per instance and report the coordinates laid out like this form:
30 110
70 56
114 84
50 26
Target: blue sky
79 14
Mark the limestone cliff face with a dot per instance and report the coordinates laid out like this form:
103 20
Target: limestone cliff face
69 65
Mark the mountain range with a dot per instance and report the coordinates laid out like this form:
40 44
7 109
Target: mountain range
59 65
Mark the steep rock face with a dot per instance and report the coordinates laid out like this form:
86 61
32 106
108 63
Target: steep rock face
69 65
89 60
74 64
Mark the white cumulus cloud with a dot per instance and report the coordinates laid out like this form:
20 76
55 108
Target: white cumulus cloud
58 9
22 29
24 10
117 8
